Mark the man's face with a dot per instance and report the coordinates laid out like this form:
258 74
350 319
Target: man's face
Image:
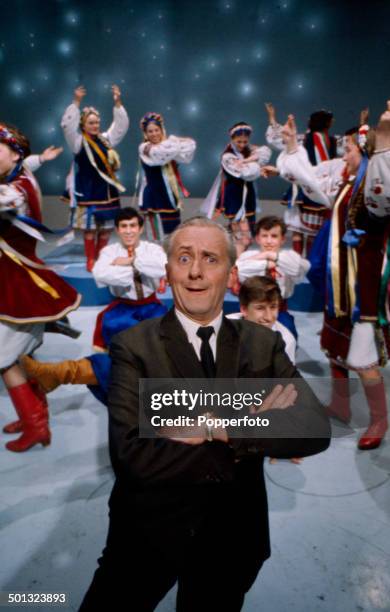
263 313
198 270
352 155
270 240
129 232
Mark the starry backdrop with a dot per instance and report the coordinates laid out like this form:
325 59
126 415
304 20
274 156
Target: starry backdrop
203 64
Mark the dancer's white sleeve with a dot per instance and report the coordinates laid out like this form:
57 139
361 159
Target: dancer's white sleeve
248 266
151 260
70 124
247 172
119 126
171 149
32 163
377 185
320 183
292 264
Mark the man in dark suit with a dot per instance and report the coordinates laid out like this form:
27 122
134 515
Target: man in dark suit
191 510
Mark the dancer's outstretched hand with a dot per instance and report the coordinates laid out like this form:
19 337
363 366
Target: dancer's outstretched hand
79 94
364 114
50 153
116 94
271 112
267 171
289 134
382 135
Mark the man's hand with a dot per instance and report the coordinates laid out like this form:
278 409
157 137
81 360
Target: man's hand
279 398
50 153
116 94
79 94
289 134
382 134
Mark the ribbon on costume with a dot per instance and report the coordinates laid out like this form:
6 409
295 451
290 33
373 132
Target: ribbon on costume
89 145
333 260
39 282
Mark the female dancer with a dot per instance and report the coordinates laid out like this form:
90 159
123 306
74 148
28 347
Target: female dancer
161 184
233 192
92 187
355 334
303 217
31 293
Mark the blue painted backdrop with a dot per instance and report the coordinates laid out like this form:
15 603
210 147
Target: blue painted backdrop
204 64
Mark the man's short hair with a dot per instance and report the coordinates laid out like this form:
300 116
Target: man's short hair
259 289
127 213
269 222
202 222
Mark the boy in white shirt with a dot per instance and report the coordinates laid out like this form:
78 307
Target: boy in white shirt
285 266
260 299
132 270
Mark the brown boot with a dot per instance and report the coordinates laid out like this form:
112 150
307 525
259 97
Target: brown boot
49 376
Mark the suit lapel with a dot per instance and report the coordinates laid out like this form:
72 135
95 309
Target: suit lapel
228 350
180 351
182 354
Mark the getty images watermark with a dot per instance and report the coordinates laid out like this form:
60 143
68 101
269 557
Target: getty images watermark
245 407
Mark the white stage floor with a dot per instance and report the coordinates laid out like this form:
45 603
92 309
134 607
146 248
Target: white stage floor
330 516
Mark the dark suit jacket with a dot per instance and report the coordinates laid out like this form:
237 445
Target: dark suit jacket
169 488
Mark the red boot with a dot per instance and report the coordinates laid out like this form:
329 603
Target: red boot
89 250
339 407
102 241
17 426
376 398
33 414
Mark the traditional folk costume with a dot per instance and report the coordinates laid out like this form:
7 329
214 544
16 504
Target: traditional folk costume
233 193
31 295
92 187
291 268
133 287
135 300
303 216
160 184
355 332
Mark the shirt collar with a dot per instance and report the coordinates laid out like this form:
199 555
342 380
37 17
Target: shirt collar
191 327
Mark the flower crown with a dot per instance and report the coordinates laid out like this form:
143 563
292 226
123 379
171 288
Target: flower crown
10 140
239 129
151 118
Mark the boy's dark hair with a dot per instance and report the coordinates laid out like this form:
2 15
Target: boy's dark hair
320 121
259 289
269 222
127 213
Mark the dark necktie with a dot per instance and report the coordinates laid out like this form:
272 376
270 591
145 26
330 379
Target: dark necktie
206 354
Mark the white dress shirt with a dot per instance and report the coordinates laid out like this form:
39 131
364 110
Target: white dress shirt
191 327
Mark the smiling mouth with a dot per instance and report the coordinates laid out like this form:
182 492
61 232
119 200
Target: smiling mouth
195 289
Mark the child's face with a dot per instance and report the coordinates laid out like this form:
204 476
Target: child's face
270 240
263 313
